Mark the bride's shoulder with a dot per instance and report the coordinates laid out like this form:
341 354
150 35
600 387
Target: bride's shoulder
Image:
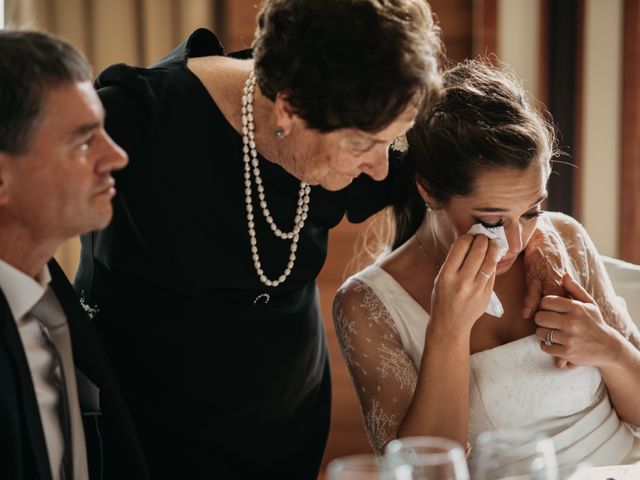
359 283
567 227
358 293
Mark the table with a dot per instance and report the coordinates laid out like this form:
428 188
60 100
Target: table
618 472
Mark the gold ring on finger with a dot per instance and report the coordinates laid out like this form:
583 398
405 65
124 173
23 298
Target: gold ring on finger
549 340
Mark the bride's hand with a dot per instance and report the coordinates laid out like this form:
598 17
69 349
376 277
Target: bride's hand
464 284
579 333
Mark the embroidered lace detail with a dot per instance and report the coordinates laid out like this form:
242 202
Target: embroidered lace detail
589 270
381 370
393 362
379 426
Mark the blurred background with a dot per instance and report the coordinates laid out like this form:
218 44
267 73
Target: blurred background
579 57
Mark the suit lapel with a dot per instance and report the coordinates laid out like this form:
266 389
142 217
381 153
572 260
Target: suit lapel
84 353
65 294
70 303
31 412
122 450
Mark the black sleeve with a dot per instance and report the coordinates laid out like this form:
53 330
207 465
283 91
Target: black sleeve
130 109
129 104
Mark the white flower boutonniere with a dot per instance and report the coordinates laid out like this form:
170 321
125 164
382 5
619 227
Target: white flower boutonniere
400 143
91 311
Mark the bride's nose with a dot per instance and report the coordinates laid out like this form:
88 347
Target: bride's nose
513 233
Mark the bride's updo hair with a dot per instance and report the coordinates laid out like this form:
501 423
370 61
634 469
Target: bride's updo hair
483 120
348 63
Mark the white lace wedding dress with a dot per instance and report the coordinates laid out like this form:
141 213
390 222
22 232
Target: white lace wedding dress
381 329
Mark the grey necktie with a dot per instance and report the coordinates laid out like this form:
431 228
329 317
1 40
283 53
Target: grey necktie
56 330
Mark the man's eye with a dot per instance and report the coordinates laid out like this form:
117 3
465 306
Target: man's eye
84 147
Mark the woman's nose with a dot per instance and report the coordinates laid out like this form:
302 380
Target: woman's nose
376 164
514 237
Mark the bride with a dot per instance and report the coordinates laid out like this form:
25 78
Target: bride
425 357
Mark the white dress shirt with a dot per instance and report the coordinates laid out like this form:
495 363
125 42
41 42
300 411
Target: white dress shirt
22 293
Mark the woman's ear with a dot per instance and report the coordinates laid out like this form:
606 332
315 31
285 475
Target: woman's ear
428 199
284 114
5 177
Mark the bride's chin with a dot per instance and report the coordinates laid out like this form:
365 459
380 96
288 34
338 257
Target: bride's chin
503 268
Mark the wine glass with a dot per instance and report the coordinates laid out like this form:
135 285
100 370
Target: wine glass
427 458
360 467
514 453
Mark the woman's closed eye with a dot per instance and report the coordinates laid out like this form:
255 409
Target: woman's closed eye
526 217
532 215
360 147
491 226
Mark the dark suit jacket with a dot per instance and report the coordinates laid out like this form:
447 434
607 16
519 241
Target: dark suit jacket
112 446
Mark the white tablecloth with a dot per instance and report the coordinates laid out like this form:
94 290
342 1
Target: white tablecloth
619 472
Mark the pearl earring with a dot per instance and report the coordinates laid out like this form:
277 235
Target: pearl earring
279 132
427 206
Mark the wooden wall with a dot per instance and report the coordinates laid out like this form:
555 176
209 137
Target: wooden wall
630 166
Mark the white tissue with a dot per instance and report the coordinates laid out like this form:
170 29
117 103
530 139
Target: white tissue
497 234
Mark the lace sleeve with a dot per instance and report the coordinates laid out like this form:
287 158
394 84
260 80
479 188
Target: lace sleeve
592 274
383 374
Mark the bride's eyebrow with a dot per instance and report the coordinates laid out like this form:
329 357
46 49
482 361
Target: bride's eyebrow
502 210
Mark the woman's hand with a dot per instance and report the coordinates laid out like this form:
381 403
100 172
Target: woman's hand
580 334
464 284
545 260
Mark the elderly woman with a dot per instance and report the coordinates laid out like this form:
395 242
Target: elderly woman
425 356
239 165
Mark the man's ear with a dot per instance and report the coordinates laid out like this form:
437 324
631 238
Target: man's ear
284 113
5 176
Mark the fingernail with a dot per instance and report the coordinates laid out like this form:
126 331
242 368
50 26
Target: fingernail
526 313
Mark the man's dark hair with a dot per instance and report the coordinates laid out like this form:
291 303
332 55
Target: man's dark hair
32 63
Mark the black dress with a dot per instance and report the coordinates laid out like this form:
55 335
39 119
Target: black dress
218 387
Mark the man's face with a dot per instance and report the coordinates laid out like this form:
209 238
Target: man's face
63 186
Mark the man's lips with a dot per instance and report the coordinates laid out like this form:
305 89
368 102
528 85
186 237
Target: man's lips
106 187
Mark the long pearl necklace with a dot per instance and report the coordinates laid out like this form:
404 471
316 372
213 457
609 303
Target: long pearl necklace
251 164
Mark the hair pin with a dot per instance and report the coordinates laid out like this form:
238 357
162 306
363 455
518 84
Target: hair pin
400 143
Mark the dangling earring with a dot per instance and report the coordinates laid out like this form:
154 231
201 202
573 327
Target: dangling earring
279 132
427 207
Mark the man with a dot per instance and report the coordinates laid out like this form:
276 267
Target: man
56 162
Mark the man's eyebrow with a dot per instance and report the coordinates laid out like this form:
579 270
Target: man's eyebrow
502 210
85 128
